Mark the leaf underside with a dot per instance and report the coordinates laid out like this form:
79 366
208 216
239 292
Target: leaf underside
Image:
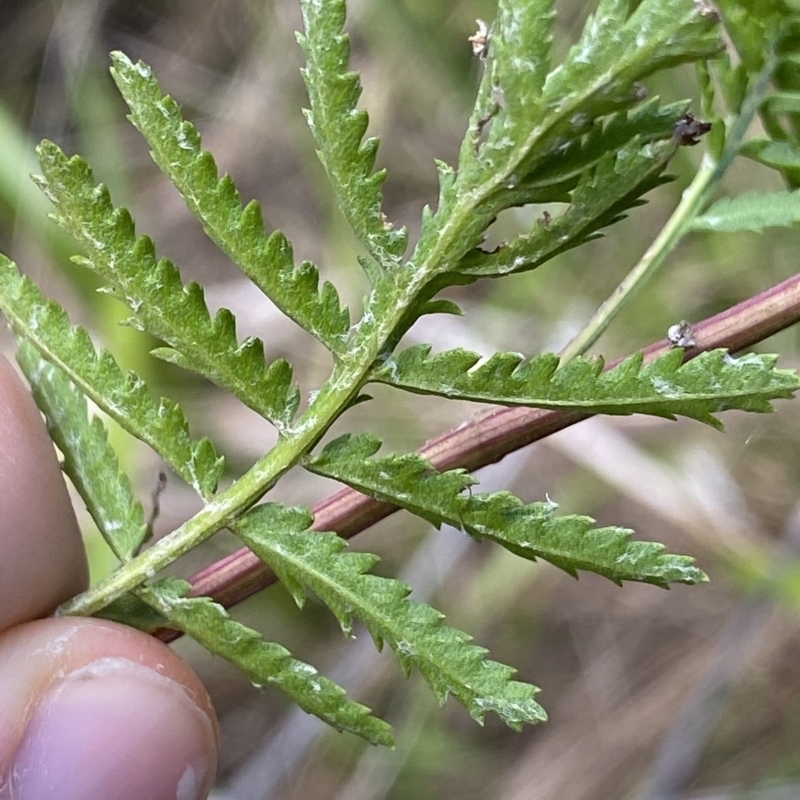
712 382
531 531
451 666
266 664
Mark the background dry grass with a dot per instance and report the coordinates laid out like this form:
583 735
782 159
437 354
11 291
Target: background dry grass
651 695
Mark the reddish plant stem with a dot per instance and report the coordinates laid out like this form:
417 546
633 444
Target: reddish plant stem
488 437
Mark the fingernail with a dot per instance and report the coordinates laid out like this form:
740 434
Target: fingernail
115 729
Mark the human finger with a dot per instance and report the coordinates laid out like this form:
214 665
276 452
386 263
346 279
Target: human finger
42 559
91 710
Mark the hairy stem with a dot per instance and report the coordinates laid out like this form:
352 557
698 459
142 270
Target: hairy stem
214 516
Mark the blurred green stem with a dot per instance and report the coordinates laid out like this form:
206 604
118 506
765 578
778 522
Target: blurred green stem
692 202
712 168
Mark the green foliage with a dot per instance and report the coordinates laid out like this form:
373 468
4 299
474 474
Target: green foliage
665 387
239 232
784 156
154 292
443 655
581 133
520 63
89 461
266 664
532 123
125 398
339 128
603 193
751 212
93 468
531 531
764 34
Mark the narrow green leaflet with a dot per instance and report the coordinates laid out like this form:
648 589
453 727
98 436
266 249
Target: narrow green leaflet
751 212
130 610
89 461
267 260
125 398
339 128
647 122
531 531
451 666
710 99
601 198
784 102
618 48
153 290
753 26
520 61
712 382
407 480
266 664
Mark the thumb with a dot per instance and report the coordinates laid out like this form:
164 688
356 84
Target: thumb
91 710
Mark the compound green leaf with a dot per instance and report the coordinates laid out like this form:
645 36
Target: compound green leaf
531 531
153 290
266 664
598 76
415 631
124 397
89 461
700 388
339 128
527 148
267 260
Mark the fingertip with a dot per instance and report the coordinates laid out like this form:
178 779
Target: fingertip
99 710
42 559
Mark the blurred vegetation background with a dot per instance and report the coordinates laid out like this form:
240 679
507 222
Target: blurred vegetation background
695 693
